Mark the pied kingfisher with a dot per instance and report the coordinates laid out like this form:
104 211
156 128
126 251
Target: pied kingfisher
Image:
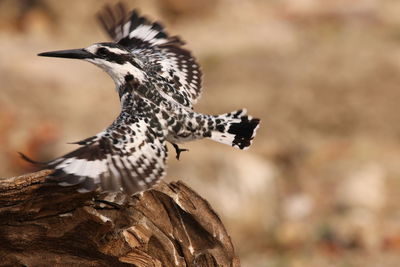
158 81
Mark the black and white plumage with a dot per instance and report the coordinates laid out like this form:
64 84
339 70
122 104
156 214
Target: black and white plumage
158 81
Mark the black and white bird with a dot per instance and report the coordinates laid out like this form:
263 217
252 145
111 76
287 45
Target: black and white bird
158 82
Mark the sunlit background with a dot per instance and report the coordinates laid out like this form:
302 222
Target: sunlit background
321 184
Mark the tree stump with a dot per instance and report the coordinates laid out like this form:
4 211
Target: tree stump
43 224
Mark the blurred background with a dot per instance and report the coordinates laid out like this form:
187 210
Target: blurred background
321 184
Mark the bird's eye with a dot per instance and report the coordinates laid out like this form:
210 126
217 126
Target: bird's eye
102 52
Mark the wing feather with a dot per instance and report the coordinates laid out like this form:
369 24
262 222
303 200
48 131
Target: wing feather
175 70
113 163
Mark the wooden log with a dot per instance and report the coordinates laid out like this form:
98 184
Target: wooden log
43 224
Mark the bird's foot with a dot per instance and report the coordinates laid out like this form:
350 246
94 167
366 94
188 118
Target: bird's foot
178 150
104 203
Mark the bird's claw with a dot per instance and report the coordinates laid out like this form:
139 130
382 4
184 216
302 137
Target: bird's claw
179 150
103 203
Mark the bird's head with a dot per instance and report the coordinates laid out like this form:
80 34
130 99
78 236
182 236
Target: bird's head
118 62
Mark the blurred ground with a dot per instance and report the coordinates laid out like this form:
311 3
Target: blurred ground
319 187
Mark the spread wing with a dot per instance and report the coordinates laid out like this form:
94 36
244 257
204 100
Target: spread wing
178 73
129 156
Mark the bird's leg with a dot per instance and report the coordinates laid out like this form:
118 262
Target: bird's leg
178 150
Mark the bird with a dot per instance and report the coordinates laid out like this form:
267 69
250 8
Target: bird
158 81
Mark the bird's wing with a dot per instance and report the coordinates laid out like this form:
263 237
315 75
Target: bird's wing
179 73
129 156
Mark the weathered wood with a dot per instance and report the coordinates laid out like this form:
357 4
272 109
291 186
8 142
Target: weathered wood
42 224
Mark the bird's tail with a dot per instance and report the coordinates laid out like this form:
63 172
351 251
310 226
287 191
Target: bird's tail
235 129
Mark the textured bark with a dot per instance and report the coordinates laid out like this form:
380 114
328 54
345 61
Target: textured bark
42 224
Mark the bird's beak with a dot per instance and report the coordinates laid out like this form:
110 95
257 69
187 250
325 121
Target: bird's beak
72 53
